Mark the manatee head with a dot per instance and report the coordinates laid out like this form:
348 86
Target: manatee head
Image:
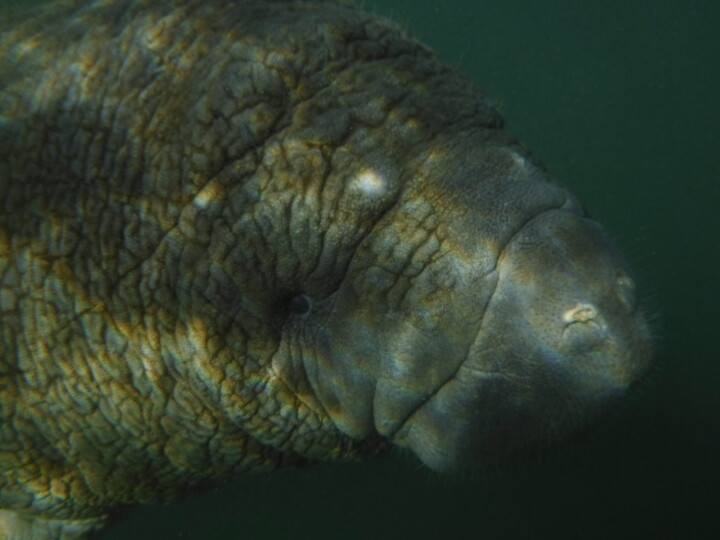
483 318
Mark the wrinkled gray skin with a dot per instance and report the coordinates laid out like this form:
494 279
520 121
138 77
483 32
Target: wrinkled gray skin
240 237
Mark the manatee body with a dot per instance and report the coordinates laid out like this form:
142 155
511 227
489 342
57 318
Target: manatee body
241 236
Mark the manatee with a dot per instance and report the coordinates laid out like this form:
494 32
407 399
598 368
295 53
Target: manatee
242 236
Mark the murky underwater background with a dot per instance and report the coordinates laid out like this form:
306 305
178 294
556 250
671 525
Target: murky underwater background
621 100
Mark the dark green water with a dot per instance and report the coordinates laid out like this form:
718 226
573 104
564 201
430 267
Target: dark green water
621 100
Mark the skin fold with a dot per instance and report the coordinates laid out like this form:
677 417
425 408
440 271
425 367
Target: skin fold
244 236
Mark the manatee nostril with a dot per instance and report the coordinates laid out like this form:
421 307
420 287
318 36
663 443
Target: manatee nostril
584 328
626 292
580 313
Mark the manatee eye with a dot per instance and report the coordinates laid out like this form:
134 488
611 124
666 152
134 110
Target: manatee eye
299 304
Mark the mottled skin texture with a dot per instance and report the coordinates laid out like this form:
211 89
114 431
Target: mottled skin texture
241 236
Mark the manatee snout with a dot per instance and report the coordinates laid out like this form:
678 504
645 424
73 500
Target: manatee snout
560 341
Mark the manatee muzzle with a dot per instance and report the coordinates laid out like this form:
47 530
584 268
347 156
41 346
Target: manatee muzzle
560 342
